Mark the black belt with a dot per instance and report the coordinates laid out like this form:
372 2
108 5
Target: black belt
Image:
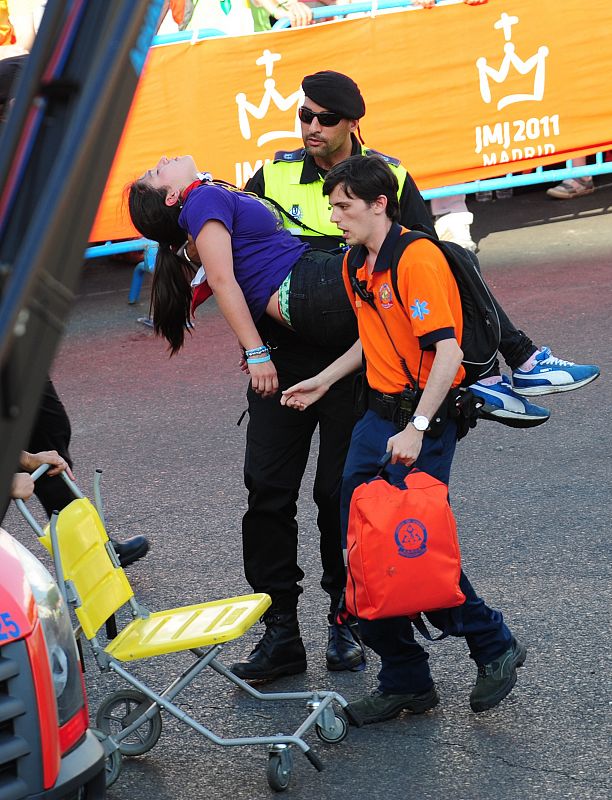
387 405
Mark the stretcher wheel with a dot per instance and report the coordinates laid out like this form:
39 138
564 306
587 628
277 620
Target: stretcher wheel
338 734
279 768
112 762
118 710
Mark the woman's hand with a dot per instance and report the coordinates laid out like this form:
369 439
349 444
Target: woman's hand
302 395
264 379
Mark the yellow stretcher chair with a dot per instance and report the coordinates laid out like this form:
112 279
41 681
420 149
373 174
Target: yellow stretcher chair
129 720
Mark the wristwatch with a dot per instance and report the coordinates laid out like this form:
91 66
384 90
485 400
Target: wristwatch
420 422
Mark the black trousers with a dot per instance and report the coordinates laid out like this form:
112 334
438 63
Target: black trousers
51 431
277 449
515 346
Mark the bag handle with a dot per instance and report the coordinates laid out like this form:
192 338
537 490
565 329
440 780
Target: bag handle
382 463
384 460
455 628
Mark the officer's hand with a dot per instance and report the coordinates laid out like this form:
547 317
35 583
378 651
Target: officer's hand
244 367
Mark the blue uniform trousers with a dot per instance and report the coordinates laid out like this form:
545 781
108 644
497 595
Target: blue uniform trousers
404 666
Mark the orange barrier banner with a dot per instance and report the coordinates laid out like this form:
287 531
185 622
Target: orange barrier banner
456 92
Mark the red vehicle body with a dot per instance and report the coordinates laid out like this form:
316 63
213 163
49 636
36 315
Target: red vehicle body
47 751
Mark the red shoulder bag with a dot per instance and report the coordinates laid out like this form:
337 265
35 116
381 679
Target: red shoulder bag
403 553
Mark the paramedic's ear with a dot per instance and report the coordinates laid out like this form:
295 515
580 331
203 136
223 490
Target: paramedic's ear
380 204
173 197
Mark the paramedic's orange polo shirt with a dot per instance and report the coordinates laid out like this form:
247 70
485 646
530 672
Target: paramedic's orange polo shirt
431 312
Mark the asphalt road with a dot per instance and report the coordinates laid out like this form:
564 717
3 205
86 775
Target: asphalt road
533 509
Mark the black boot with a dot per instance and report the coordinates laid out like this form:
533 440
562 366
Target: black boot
344 650
131 549
280 651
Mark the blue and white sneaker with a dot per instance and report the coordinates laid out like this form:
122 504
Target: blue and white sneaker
551 375
502 404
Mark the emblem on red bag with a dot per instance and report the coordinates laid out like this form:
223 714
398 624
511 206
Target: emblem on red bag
411 538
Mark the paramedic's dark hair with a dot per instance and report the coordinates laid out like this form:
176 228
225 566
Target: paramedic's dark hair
171 287
365 177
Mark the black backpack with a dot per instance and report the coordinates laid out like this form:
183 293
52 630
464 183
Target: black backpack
481 325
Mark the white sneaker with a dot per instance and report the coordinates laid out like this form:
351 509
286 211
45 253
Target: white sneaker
572 187
455 227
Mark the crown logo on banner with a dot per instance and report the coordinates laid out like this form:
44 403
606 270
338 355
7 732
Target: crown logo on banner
535 64
270 96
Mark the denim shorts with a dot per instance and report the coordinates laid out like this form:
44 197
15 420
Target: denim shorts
319 308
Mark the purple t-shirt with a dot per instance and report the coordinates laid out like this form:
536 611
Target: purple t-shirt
263 251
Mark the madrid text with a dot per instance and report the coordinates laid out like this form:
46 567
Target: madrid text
516 140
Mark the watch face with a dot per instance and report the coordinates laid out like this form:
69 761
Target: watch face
420 422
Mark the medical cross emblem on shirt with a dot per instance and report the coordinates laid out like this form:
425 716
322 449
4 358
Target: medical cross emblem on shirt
419 309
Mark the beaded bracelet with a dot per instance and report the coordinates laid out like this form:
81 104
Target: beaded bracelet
256 351
258 360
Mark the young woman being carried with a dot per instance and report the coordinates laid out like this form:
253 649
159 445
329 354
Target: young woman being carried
253 266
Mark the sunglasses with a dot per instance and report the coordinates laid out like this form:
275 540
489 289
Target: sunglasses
327 119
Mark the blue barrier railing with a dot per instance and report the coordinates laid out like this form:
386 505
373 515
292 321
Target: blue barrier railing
539 174
149 250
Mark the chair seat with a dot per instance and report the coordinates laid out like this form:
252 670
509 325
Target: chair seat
183 628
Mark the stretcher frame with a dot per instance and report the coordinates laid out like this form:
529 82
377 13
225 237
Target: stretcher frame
330 727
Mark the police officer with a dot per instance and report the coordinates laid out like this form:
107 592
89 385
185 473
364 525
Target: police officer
278 439
294 179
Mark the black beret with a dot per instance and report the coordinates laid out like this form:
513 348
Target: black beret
335 92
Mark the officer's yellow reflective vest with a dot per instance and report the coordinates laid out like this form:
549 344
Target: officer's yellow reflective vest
305 201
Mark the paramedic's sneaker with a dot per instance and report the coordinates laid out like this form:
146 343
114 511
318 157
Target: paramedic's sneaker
502 404
573 187
131 549
455 227
552 374
378 706
496 680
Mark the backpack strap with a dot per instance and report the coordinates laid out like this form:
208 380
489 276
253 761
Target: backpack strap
402 243
352 266
453 626
360 290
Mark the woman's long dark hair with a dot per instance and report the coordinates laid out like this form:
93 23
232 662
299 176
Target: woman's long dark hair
171 288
